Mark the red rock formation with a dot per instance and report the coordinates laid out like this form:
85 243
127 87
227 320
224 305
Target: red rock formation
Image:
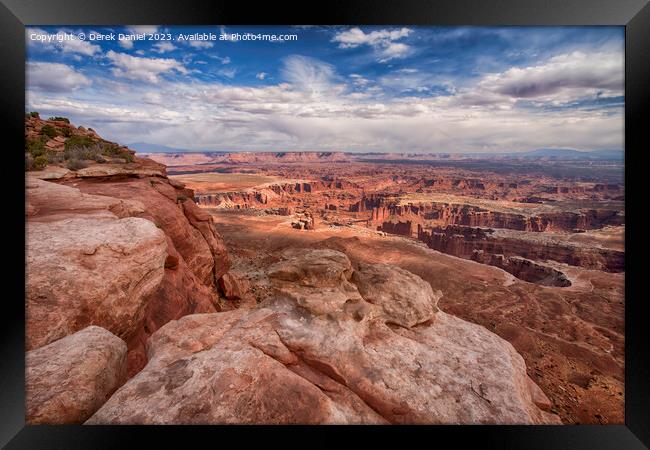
402 228
318 352
271 195
85 264
68 380
189 286
524 269
463 241
471 216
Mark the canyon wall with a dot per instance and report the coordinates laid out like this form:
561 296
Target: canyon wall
471 216
463 241
271 194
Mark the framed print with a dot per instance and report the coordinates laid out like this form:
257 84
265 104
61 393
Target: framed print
386 219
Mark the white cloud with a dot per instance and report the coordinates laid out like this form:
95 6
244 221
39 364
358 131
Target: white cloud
309 74
261 75
143 29
126 44
413 80
562 78
224 35
228 73
54 77
146 69
382 41
201 44
163 46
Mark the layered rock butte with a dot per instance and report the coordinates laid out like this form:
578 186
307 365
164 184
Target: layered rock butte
166 310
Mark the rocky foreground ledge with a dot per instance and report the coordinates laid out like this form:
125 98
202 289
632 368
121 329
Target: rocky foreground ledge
134 318
329 347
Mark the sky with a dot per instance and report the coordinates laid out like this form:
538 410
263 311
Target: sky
338 88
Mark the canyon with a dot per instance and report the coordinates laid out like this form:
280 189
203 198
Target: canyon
303 287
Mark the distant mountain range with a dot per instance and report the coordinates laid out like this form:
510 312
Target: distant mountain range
144 147
542 153
563 153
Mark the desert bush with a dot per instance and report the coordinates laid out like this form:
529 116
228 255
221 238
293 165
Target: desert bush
67 132
60 119
54 157
128 157
49 131
34 114
36 147
40 162
76 164
79 141
84 148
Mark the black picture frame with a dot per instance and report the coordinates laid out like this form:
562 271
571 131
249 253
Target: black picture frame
633 14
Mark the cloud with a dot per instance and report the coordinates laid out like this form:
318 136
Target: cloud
261 75
201 44
567 75
381 41
561 80
224 35
309 74
228 73
145 69
411 80
143 29
126 44
211 115
163 46
54 77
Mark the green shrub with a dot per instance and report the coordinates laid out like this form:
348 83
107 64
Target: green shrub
67 132
49 131
60 119
40 162
34 114
76 164
36 147
79 141
128 157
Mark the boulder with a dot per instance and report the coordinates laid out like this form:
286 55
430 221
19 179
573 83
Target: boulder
85 265
195 253
405 298
318 353
68 380
317 280
233 287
